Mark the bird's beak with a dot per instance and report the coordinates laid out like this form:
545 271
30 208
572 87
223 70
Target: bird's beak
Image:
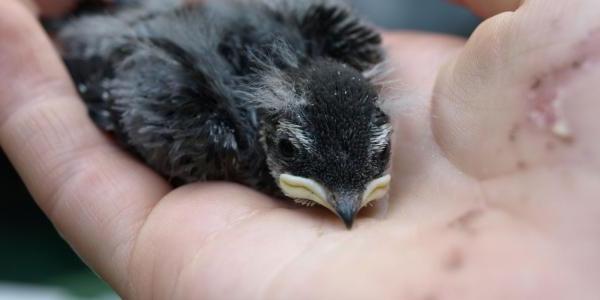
347 206
344 204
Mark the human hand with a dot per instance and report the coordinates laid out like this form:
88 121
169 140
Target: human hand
479 209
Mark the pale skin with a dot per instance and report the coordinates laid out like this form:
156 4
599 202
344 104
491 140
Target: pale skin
495 191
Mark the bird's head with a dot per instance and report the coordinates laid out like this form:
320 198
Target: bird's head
326 139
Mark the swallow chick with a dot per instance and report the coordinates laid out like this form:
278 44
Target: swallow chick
275 95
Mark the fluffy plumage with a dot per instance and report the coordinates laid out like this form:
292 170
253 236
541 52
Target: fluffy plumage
239 91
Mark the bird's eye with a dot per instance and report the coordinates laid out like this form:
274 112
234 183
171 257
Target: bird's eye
286 148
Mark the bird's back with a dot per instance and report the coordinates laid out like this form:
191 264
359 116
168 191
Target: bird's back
166 83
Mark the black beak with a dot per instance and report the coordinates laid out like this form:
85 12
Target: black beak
348 219
347 208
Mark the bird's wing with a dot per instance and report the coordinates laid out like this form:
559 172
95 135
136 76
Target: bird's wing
176 116
167 104
91 46
333 30
87 45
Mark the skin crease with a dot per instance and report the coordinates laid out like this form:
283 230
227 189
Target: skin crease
485 203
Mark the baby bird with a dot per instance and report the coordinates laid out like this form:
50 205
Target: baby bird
275 95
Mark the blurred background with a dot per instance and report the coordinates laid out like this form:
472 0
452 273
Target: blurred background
35 263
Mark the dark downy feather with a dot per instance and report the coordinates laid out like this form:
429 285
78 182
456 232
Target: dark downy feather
173 84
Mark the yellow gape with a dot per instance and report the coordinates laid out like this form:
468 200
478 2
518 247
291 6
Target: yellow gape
377 189
307 189
303 188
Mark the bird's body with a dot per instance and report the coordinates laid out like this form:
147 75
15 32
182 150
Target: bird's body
205 92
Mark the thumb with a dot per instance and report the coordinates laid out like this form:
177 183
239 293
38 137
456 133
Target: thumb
50 8
488 8
523 91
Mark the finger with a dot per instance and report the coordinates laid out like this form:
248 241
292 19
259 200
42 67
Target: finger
55 7
415 60
521 93
488 8
50 8
96 196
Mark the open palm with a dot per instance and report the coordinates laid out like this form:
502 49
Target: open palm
495 193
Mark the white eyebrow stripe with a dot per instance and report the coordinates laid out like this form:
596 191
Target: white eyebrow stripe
298 133
380 137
